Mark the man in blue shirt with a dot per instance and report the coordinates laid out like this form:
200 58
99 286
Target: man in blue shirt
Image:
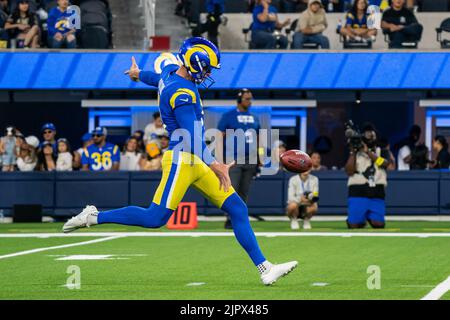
101 155
244 151
265 20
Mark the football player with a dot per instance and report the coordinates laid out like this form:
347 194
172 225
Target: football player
188 162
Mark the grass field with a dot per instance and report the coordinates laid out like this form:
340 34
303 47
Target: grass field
413 258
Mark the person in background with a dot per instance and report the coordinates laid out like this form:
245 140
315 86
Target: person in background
245 154
130 157
419 158
366 169
215 10
313 22
406 147
303 197
151 159
316 162
64 161
27 159
8 150
356 28
49 135
265 21
164 142
384 145
400 24
440 145
46 157
23 26
86 139
139 136
101 155
59 31
154 129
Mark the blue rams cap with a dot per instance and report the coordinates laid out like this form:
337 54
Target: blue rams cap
99 131
86 137
48 126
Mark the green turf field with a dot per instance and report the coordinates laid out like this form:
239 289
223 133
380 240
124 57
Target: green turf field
330 267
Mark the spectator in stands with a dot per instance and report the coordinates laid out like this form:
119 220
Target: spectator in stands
86 139
151 159
313 22
59 31
419 158
164 142
8 150
215 10
101 155
130 156
23 26
139 136
440 145
265 21
46 157
316 162
154 129
406 148
356 28
3 18
401 24
49 134
303 197
64 161
366 168
27 159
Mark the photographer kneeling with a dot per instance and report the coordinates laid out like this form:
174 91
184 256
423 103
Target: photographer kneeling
303 197
366 168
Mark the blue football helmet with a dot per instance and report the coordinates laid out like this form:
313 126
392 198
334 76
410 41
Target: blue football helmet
199 56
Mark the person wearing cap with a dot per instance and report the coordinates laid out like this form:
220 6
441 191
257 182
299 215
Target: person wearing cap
48 131
312 23
101 155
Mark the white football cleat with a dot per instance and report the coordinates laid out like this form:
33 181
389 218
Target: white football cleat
277 271
306 224
86 218
294 224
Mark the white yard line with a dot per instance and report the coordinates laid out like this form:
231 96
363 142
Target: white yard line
223 234
441 289
21 253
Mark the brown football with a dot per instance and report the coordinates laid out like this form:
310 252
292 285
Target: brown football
296 161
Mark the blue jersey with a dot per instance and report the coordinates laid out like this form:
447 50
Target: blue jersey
235 120
100 159
181 108
355 23
266 26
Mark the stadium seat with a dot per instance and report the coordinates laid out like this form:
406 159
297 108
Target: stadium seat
246 32
405 45
94 37
435 5
445 27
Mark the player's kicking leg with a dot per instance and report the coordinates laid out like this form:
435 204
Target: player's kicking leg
237 210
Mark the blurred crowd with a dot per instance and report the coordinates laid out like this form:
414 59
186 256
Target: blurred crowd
143 150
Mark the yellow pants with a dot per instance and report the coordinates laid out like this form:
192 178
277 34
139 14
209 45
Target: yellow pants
180 171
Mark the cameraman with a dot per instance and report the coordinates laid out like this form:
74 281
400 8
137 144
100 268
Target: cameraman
303 197
366 168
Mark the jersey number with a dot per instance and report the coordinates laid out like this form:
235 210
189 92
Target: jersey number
102 160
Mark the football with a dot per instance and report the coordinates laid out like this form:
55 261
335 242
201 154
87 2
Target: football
296 161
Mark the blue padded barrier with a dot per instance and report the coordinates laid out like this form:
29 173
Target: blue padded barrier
65 193
281 70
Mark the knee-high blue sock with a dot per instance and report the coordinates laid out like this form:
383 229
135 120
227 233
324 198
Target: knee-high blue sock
153 217
238 212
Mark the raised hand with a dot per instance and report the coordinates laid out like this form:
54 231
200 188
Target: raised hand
134 70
